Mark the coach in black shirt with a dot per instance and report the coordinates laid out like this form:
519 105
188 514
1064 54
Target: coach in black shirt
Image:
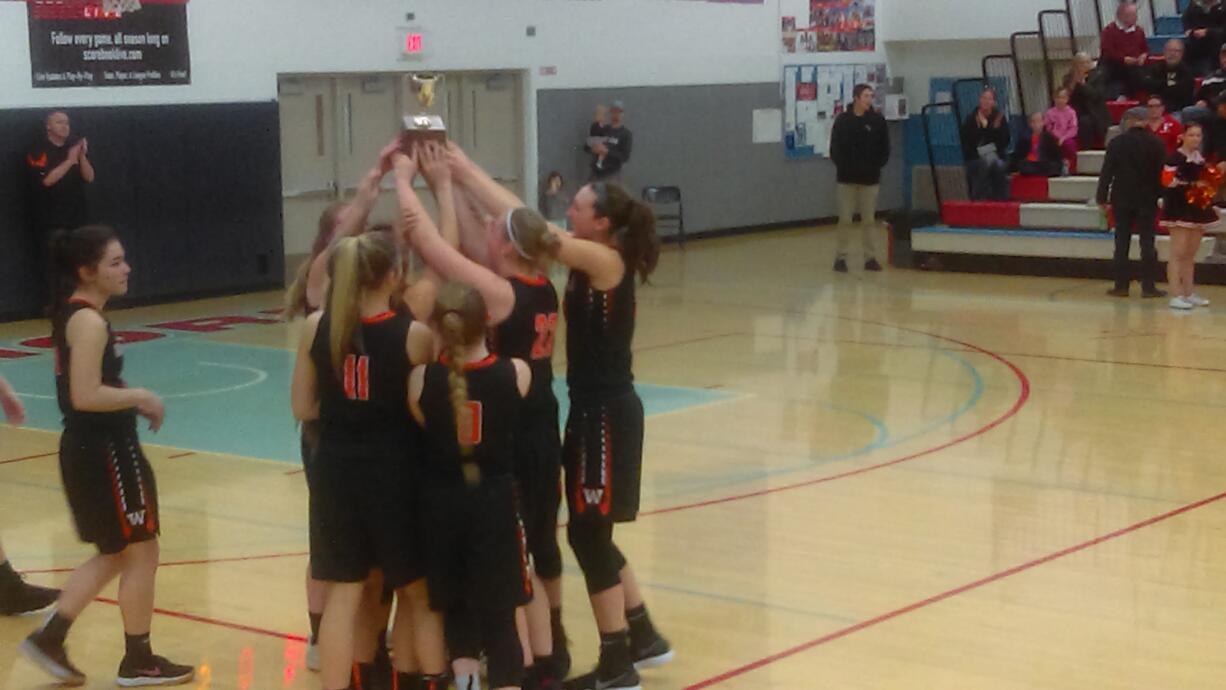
58 173
859 148
1132 181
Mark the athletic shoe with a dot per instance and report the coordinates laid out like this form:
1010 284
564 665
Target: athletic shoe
20 597
840 265
53 659
1153 293
312 656
1118 292
872 265
626 680
656 653
1181 304
1197 300
156 671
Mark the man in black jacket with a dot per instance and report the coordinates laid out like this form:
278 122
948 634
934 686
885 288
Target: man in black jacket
1204 23
985 139
1132 180
860 148
611 155
1171 79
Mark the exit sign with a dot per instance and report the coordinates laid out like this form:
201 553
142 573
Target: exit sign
413 44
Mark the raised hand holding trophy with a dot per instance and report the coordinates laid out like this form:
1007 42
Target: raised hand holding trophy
421 125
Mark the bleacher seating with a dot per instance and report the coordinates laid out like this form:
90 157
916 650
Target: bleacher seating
1045 217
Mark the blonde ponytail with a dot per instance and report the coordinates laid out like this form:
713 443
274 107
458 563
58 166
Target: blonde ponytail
460 315
343 295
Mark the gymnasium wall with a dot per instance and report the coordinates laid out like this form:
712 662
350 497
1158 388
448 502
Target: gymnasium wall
699 138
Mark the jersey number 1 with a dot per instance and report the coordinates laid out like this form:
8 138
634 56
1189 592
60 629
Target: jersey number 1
546 328
469 427
357 377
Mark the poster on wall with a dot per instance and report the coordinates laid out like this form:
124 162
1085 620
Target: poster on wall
813 95
828 26
108 43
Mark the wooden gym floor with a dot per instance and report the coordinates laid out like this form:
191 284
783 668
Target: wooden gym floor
899 480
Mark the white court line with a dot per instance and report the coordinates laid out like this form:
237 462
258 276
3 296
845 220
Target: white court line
260 377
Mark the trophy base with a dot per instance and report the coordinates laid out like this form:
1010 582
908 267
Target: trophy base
419 129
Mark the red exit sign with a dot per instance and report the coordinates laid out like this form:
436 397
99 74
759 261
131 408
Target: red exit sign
413 44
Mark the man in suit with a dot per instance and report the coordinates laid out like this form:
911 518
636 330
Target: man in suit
1131 180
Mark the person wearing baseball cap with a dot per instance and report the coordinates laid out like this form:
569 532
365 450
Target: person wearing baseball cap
612 154
1131 180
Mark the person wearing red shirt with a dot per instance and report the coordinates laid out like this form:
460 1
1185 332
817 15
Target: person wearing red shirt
1124 52
1162 124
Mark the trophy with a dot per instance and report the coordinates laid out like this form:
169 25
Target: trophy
423 126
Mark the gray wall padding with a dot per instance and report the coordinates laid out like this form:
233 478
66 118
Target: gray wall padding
699 138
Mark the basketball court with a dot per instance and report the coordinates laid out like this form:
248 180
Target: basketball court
897 480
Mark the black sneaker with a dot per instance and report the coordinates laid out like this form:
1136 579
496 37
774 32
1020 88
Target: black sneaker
53 659
655 653
840 265
1118 292
20 598
156 671
1153 293
872 265
596 680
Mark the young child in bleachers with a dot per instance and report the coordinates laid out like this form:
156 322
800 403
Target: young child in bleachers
1061 121
1037 153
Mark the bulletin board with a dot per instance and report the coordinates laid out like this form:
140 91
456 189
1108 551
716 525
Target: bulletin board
813 95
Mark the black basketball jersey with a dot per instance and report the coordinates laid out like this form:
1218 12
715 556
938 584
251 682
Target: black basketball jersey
599 331
364 407
112 371
494 408
528 334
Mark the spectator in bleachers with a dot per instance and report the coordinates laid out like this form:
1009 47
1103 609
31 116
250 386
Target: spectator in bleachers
1061 121
1210 88
1087 96
1204 23
1124 52
985 139
1162 124
1215 133
1038 154
1131 181
1171 79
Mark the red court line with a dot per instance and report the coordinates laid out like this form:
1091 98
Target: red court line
844 632
202 561
181 455
29 457
293 472
1022 398
213 621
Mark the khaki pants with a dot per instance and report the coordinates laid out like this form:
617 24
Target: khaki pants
861 198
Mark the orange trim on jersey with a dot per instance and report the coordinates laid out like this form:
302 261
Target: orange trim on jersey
534 281
83 302
469 366
378 318
40 162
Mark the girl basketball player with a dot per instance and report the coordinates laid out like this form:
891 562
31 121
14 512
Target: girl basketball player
16 596
352 375
523 312
305 296
469 406
109 484
614 239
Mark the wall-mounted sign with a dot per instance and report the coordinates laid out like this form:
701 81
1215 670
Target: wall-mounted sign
108 43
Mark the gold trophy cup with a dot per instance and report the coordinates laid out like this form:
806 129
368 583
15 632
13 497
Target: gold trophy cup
422 126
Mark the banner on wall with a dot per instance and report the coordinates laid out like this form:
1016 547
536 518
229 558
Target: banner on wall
108 43
828 26
813 95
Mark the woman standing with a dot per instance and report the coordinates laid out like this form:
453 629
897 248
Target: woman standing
1184 219
109 483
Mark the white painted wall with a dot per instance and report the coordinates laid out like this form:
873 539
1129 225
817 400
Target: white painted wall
239 46
944 20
